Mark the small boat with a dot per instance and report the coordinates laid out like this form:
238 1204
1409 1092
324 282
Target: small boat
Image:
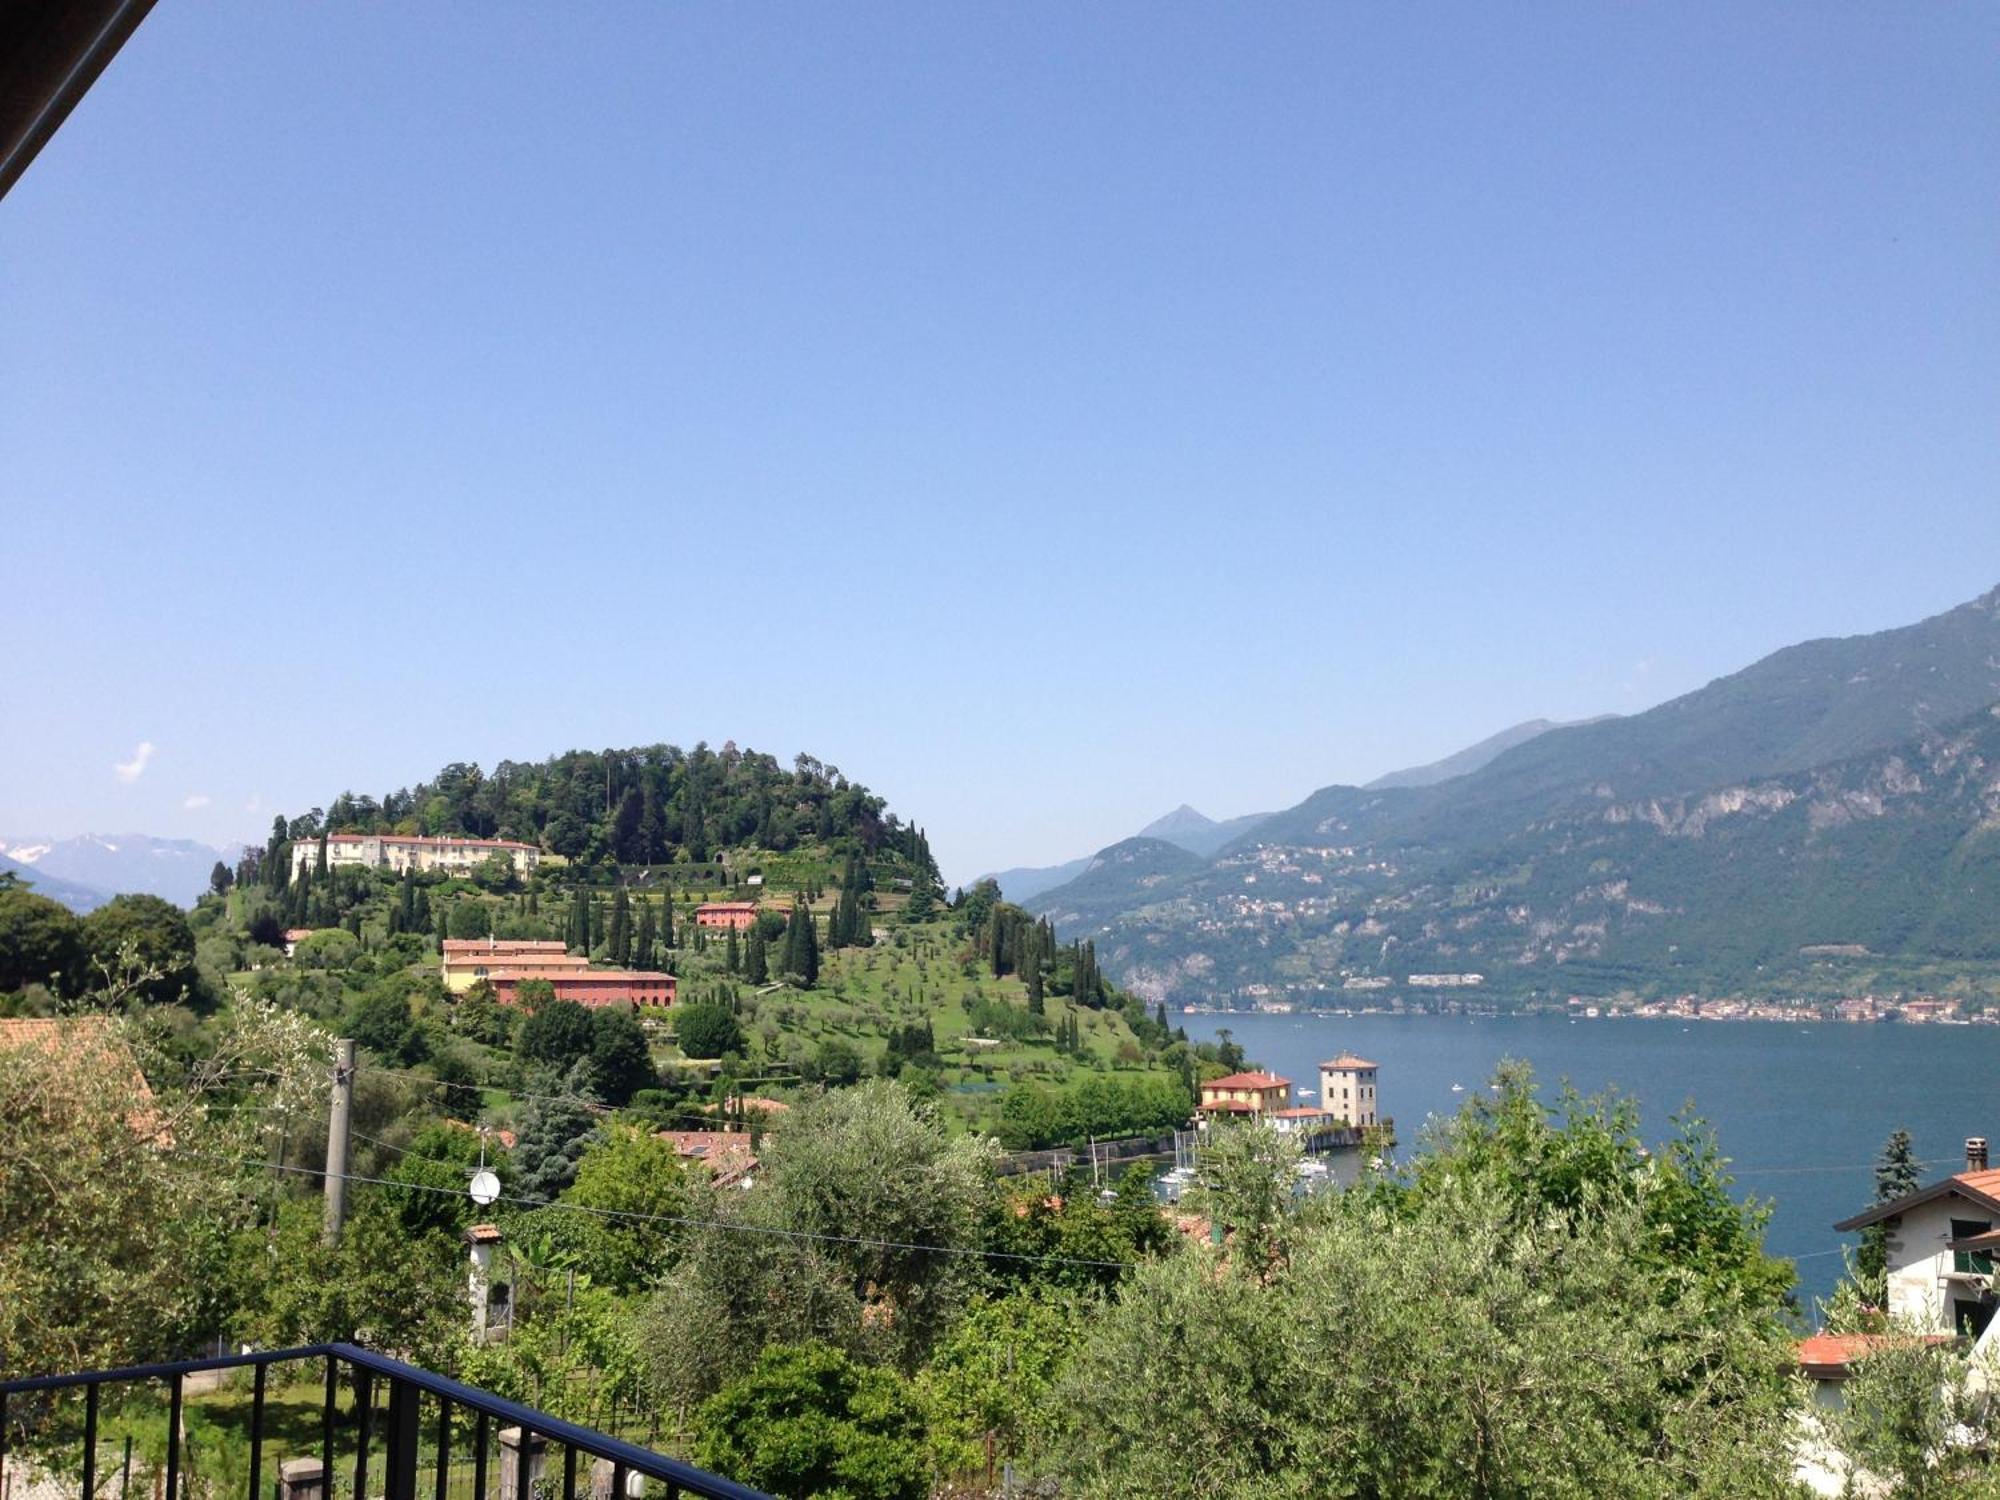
1458 1088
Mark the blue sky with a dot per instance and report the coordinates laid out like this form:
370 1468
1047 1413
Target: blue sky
1048 414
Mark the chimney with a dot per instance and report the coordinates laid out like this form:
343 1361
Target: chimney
1975 1153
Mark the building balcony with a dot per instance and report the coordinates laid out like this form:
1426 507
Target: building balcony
385 1429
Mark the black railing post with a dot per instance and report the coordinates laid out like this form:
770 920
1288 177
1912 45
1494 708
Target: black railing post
90 1440
479 1458
326 1416
399 1461
257 1430
524 1468
174 1438
569 1471
364 1402
444 1449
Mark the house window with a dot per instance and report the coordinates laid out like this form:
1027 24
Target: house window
1979 1262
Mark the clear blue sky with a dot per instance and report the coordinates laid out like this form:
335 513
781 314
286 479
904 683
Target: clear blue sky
1046 413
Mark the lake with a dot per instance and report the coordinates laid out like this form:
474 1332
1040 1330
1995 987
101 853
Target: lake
1801 1110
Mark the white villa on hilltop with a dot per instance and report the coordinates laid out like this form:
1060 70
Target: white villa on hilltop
399 852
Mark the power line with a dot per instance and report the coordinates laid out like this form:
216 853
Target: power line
682 1220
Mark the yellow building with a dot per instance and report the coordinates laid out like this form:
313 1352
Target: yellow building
469 960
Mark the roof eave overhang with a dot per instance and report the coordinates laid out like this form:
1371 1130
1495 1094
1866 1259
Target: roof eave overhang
51 52
1950 1188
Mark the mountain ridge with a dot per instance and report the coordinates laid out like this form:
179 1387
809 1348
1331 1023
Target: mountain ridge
1368 881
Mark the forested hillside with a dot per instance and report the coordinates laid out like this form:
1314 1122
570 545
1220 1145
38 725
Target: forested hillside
1836 794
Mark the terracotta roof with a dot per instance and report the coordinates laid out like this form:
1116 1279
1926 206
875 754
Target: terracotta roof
1830 1356
505 945
299 934
422 838
1248 1081
725 906
1349 1060
726 1153
484 1234
1982 1188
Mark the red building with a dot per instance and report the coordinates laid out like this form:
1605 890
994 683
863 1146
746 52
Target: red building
641 987
740 915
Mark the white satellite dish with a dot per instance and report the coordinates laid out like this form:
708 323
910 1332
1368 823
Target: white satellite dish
484 1188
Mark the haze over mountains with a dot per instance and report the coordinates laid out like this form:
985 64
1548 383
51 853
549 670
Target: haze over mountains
1838 794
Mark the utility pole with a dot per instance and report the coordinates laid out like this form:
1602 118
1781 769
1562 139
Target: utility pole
336 1138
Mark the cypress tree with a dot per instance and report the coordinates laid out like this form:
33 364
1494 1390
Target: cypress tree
794 952
621 929
756 970
733 959
809 949
642 954
667 921
1036 1004
319 860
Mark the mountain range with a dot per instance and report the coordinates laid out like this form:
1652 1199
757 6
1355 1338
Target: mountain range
1183 828
1198 834
86 871
1826 815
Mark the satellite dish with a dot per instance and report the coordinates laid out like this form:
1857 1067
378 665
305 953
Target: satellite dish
485 1187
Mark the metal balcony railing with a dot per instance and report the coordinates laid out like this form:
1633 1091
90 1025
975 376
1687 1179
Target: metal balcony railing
404 1421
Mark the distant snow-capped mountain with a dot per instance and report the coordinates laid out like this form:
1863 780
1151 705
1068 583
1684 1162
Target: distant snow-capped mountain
112 864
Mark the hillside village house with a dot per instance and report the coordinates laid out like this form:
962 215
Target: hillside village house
740 915
1941 1244
1941 1240
400 852
1347 1090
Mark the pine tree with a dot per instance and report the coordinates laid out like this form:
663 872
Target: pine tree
1897 1173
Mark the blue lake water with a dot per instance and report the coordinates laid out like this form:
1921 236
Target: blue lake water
1801 1111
